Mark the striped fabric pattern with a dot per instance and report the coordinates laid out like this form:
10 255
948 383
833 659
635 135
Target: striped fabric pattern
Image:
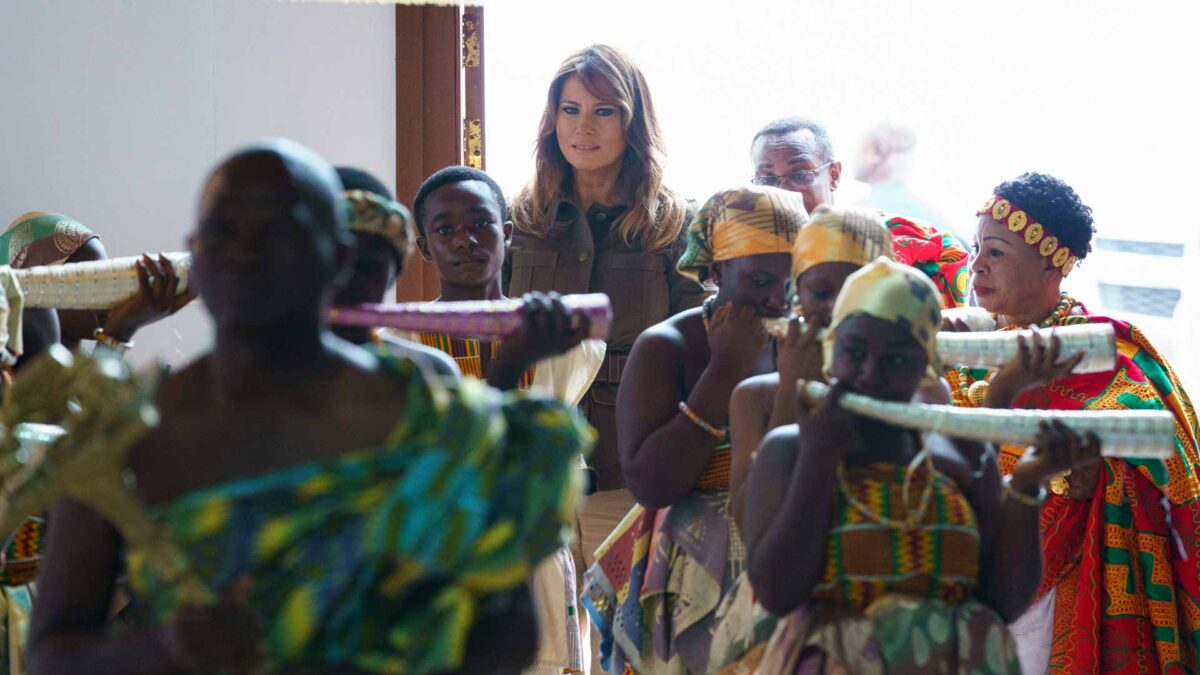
866 559
466 353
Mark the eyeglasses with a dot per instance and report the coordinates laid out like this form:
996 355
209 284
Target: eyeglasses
796 179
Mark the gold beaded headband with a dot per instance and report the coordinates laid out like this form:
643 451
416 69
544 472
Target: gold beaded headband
1004 211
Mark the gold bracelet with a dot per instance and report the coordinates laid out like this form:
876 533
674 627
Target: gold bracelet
1059 484
106 339
691 415
1021 497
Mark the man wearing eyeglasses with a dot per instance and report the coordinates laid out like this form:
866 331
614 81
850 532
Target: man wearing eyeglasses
796 154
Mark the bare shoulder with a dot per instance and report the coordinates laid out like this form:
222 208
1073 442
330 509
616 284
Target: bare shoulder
663 342
90 250
186 386
757 388
778 449
682 334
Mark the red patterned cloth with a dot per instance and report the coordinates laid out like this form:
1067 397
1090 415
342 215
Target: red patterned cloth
1125 565
936 253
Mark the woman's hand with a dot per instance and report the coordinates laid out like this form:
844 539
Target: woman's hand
1034 366
825 417
800 355
954 325
736 338
157 298
1059 449
225 637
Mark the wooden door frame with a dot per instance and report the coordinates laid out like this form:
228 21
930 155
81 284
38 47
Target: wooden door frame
439 109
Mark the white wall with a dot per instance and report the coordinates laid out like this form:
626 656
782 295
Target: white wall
112 111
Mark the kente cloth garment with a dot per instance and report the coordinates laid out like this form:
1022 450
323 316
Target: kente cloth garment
896 293
1125 565
39 238
743 221
837 234
894 600
384 559
555 589
938 254
565 377
653 591
16 605
466 353
370 213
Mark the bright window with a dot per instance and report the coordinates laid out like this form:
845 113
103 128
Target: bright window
1098 93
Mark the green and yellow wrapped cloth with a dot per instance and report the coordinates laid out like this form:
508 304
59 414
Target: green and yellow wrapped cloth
383 559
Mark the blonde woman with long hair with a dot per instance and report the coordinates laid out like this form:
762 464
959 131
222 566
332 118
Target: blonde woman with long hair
596 217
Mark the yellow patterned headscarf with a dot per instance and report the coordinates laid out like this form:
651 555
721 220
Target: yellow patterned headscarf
743 221
896 293
838 234
370 213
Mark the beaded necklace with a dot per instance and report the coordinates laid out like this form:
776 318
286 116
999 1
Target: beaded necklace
912 517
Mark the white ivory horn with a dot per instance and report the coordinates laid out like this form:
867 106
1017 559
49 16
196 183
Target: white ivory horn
1137 434
992 349
98 284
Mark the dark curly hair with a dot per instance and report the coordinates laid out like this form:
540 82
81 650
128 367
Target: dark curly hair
1055 205
451 175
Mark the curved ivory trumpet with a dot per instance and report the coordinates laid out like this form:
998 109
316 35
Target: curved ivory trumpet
103 284
97 284
471 318
1140 434
992 349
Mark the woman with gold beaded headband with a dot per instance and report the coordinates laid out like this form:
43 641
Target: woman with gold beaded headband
1120 540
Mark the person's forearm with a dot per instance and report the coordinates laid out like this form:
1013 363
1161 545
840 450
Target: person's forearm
138 652
506 375
669 461
788 560
1015 563
783 408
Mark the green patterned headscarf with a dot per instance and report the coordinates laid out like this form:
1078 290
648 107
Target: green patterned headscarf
40 238
370 213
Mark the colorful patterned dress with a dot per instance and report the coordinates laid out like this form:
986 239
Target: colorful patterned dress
658 578
1125 565
894 600
466 353
382 559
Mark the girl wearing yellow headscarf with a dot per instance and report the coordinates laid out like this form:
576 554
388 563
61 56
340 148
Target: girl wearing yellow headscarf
884 550
834 244
659 577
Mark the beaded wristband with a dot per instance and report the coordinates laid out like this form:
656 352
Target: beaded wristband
106 339
691 415
1021 497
